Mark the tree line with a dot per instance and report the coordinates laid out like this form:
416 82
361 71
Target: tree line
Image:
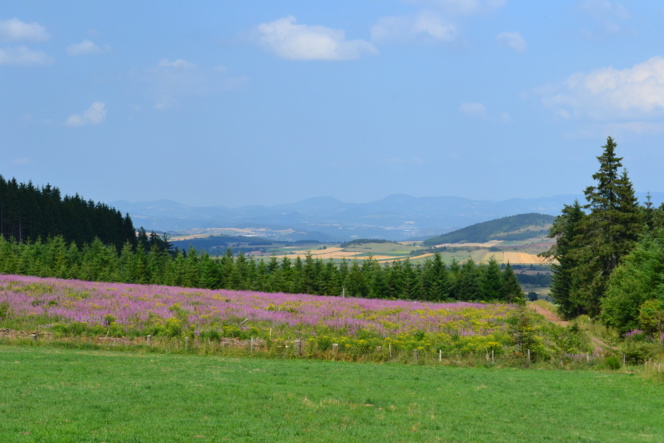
29 212
431 280
608 258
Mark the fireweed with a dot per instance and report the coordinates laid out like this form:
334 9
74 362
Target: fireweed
73 307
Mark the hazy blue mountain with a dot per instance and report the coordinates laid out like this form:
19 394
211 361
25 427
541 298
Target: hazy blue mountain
395 217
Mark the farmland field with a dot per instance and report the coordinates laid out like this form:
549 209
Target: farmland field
515 252
54 394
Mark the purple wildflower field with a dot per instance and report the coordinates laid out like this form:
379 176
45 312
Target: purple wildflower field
137 308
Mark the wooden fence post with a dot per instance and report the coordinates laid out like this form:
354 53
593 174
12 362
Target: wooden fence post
149 338
415 354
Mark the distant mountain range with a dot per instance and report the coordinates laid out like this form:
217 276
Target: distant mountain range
396 217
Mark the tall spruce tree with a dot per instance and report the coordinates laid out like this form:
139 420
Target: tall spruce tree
590 247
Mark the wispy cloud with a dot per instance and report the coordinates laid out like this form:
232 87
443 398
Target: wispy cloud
403 161
460 7
22 56
473 109
479 110
425 25
293 41
94 115
83 48
512 40
609 15
171 81
16 30
435 21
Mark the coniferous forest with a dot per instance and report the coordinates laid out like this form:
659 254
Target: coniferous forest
96 261
30 213
47 235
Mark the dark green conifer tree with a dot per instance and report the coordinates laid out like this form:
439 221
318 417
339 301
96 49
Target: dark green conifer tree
565 255
511 288
491 281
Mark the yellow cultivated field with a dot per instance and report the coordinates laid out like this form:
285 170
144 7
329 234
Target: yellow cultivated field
488 244
523 258
511 257
339 253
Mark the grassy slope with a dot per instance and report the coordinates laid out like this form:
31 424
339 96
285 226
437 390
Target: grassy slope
49 394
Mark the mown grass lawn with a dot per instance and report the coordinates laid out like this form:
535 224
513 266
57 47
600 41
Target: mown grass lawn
51 394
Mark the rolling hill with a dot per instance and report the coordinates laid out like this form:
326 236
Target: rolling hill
512 228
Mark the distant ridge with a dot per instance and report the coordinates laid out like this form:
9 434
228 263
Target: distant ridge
515 227
395 217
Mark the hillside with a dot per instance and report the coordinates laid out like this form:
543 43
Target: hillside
512 228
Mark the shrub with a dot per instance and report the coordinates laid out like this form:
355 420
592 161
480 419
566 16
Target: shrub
612 362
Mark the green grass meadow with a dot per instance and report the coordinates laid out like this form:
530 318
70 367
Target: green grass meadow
56 394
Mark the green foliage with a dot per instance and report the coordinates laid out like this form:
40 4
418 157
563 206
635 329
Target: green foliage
4 310
637 280
651 316
524 332
613 362
638 351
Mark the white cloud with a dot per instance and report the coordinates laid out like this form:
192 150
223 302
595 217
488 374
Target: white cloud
21 161
425 25
82 48
630 99
461 7
16 30
94 115
611 93
291 41
473 109
22 56
512 40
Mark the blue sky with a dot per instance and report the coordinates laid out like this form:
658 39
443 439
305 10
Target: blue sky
265 102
